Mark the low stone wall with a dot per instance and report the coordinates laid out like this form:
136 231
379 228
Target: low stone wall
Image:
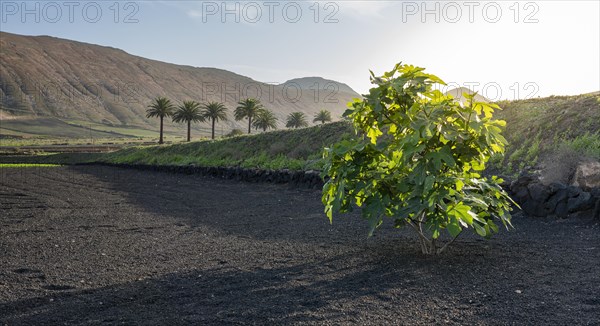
539 199
303 179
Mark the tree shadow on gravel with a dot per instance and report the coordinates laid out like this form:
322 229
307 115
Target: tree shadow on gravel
384 288
258 210
381 286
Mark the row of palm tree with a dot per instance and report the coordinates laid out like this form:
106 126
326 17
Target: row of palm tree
189 111
258 116
298 119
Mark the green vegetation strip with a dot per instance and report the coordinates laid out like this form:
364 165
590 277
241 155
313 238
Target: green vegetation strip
27 165
285 149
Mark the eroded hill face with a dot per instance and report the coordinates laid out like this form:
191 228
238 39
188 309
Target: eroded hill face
50 77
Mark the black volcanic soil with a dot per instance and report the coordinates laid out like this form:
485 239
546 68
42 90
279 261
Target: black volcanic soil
102 245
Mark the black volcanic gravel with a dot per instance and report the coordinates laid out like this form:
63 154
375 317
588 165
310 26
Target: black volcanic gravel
101 245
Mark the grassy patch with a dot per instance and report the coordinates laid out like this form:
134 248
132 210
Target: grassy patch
130 131
538 128
587 145
285 149
55 128
26 165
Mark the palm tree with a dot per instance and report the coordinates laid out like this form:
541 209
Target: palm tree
296 120
265 119
161 107
188 112
214 111
248 108
322 116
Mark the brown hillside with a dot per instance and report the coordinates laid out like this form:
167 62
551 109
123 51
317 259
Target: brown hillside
44 76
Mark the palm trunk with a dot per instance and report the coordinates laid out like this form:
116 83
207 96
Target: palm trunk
213 128
160 139
189 127
249 124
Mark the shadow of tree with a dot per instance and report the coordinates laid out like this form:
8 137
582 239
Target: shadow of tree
272 211
343 289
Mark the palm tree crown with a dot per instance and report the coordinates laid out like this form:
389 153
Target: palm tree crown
188 112
296 120
214 111
161 107
265 119
322 116
247 108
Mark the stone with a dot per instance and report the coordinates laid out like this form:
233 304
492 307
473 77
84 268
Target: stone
574 191
554 187
521 182
538 192
519 190
587 175
560 196
582 202
521 196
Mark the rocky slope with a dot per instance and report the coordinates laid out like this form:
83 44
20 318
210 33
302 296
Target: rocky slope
44 76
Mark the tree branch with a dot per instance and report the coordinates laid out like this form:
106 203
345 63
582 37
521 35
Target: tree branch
439 251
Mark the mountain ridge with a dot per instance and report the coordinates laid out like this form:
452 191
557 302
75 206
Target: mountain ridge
46 76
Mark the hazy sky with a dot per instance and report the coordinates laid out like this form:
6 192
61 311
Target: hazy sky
503 49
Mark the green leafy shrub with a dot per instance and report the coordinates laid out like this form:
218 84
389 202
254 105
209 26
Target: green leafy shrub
416 158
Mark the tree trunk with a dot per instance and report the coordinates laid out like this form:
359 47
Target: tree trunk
249 124
160 139
213 128
189 127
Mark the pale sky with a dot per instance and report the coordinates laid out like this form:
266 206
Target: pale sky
503 49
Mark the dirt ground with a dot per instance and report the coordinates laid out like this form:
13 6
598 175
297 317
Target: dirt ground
101 245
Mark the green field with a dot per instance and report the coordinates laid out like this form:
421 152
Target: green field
26 165
130 131
51 131
51 127
284 149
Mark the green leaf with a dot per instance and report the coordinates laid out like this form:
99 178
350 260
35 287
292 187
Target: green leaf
446 156
480 230
373 133
463 213
454 229
459 184
429 180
